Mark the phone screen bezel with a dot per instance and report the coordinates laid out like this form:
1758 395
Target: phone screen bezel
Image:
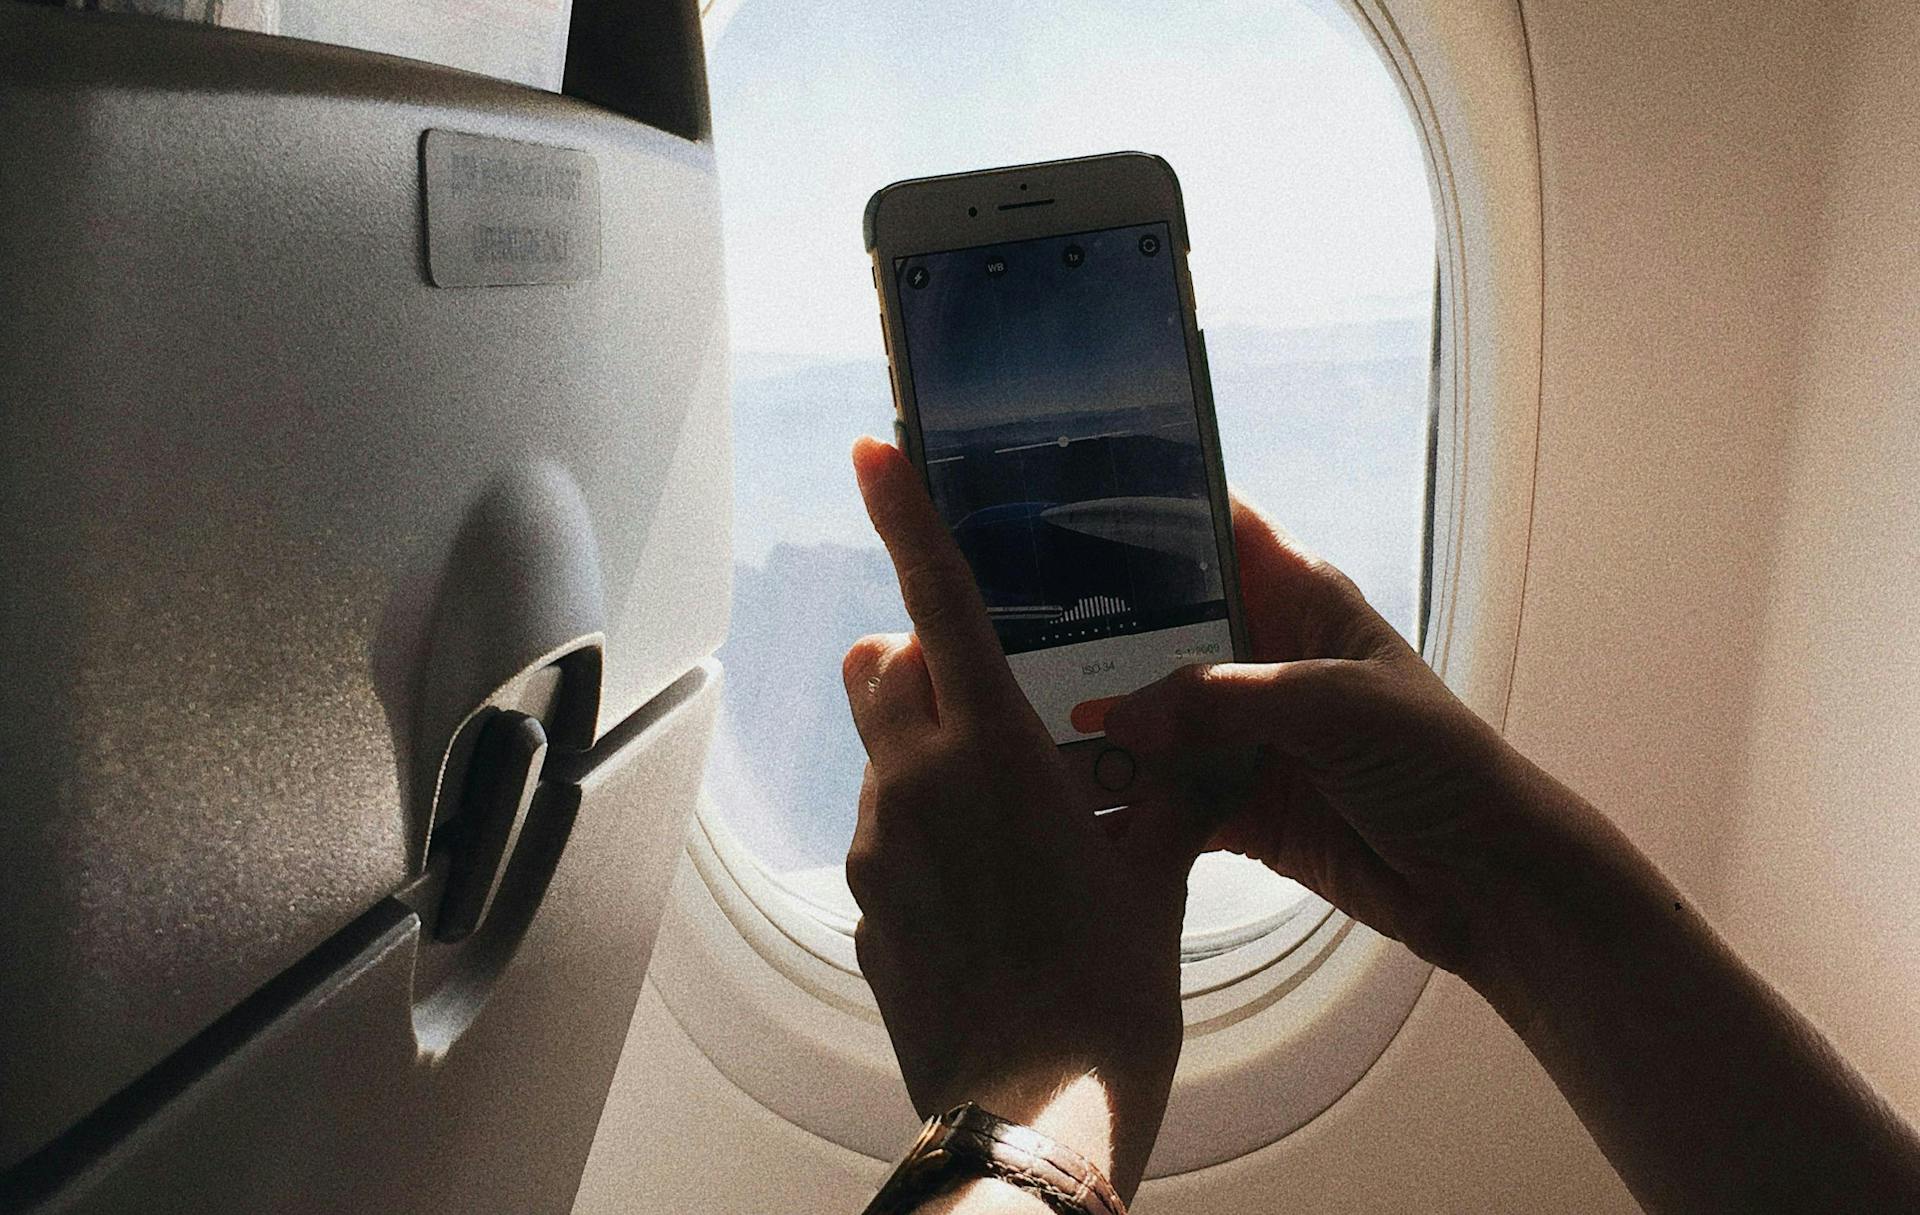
1027 202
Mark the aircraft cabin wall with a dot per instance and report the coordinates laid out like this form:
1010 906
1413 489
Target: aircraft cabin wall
1818 886
1715 640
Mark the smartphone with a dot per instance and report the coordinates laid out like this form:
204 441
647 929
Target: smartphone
1050 382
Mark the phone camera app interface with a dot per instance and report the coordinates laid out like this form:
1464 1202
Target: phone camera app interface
1063 449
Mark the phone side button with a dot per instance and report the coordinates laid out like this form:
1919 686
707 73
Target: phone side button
1113 770
900 434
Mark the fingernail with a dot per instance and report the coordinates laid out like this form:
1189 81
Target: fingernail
1090 716
1134 721
862 456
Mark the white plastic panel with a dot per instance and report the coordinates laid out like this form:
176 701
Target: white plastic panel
277 514
333 1104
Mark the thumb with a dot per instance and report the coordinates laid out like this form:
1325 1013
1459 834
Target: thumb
1166 827
1295 708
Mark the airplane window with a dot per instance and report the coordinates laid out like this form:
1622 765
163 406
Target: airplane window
1313 263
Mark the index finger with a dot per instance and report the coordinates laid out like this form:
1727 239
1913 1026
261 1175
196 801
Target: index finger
962 652
1297 605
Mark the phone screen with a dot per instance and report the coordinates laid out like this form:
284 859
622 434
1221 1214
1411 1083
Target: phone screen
1062 445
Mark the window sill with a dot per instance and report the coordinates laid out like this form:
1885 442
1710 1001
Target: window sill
763 982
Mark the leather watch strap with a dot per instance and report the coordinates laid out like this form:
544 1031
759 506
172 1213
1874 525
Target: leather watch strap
967 1142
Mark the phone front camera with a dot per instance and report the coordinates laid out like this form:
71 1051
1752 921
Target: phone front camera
972 211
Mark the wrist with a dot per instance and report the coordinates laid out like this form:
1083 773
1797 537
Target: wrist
1108 1116
1522 873
985 1196
974 1160
1568 889
1071 1108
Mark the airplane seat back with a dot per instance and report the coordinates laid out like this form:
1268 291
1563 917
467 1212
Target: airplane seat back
363 512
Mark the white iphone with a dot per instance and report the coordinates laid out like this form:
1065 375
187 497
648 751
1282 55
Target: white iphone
1051 383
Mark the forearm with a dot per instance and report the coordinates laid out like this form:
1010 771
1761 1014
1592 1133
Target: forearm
1704 1088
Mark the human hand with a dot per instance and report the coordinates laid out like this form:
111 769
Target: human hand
1375 787
1015 946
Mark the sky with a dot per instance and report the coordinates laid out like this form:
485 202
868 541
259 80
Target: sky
1306 194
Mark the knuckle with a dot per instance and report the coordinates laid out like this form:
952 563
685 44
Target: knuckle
1320 682
1198 680
931 591
863 658
1337 581
900 658
1362 681
1192 688
866 945
855 669
866 874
